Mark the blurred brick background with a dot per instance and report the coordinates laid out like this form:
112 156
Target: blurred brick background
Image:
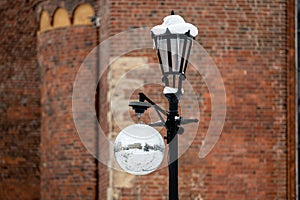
42 46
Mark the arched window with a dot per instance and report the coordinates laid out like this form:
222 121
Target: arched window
45 21
61 18
82 14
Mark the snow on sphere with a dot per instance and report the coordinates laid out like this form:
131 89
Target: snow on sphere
139 149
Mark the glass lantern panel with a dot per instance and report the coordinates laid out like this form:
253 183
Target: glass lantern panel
174 50
187 54
163 52
177 48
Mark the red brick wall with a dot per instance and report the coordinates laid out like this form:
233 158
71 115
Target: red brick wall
291 97
20 113
248 41
67 168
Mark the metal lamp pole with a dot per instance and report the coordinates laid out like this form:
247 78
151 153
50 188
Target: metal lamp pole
172 126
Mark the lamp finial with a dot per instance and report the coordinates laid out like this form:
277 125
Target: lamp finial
172 12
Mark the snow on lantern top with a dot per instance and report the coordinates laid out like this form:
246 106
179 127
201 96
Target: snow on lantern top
176 25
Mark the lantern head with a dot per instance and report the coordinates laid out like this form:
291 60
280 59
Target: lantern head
173 41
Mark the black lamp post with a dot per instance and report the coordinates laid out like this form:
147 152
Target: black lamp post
172 41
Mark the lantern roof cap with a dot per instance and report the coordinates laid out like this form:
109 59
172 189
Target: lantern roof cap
175 24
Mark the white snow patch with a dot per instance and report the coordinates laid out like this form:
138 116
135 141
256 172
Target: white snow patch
170 90
176 25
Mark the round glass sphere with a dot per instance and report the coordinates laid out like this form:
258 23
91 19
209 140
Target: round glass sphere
139 149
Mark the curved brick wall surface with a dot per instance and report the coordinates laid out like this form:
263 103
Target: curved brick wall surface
68 169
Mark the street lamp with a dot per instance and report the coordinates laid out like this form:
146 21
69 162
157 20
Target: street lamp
172 41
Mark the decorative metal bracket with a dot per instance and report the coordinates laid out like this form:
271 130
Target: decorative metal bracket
141 106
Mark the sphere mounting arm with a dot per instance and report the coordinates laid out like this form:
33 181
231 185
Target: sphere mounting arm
140 107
